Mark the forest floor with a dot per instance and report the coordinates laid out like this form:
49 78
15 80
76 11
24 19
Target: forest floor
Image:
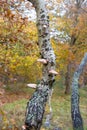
13 105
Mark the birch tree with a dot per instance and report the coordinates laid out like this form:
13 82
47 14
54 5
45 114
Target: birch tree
37 103
75 111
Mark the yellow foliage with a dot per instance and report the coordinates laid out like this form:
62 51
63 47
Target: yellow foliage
66 54
32 31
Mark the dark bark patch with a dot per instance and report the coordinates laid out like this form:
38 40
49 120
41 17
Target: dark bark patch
52 64
38 24
47 17
50 75
44 45
47 49
46 34
43 16
44 41
42 11
39 31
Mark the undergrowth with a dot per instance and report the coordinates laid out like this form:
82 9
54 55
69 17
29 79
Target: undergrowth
12 115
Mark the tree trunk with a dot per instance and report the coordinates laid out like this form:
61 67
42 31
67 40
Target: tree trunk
68 79
73 40
36 105
75 111
72 43
85 76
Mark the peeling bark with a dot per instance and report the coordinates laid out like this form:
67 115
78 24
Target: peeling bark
37 103
75 111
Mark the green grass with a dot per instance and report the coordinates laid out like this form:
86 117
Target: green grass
13 114
18 88
12 106
61 109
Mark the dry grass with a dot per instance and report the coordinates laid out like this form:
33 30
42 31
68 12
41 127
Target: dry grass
12 114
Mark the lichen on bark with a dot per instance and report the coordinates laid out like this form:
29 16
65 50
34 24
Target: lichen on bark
37 103
75 110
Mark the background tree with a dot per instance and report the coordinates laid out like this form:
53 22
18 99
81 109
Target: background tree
72 24
75 111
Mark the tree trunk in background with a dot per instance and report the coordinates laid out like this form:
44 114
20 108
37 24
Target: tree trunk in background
85 76
85 79
69 66
68 79
72 42
75 111
36 105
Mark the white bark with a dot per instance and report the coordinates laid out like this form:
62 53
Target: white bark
36 105
75 111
